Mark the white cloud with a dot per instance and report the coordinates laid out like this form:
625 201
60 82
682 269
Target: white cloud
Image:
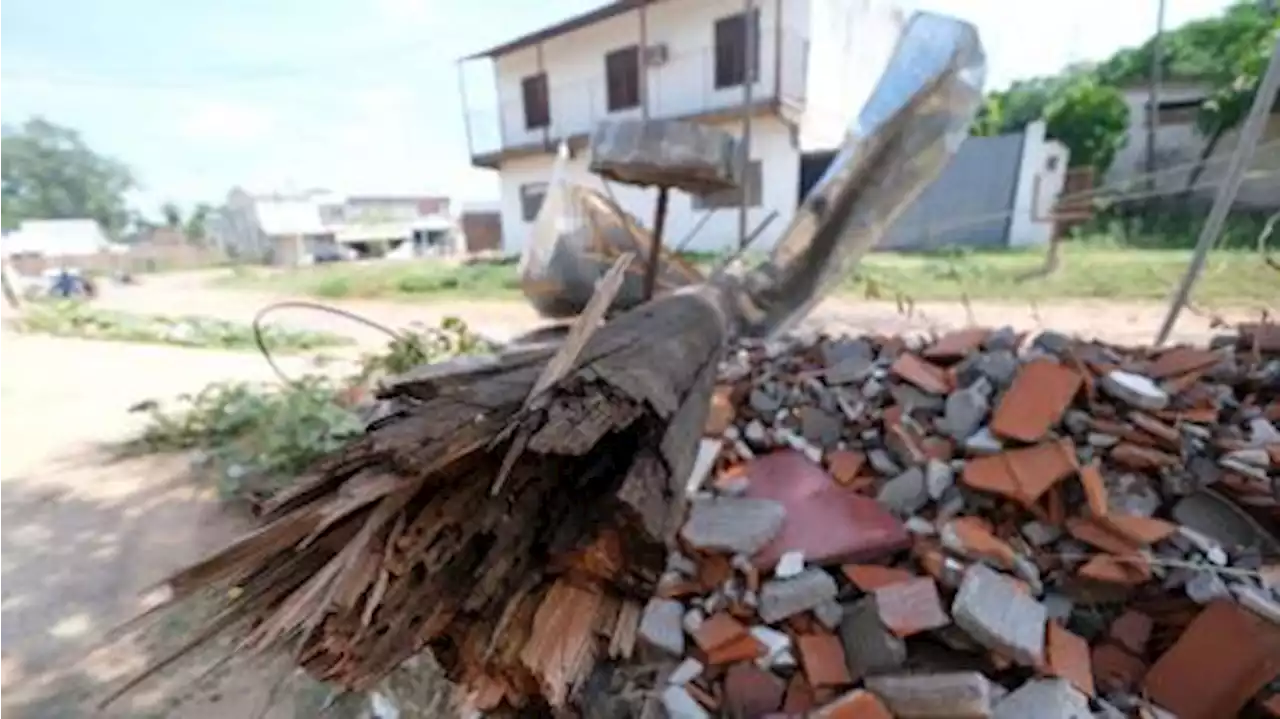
226 121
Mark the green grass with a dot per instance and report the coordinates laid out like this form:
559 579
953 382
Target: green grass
77 319
1090 269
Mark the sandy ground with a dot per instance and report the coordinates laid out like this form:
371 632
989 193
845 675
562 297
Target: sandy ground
83 534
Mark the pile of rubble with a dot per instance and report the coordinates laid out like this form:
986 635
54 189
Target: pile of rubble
980 525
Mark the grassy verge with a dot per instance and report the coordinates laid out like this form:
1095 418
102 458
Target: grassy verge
257 438
75 319
1089 270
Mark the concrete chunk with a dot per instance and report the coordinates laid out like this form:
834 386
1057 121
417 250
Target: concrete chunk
869 647
662 625
965 410
955 695
679 703
782 598
733 524
939 477
1134 390
1044 699
1000 615
906 493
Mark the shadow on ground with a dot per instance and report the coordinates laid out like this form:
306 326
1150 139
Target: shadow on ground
81 543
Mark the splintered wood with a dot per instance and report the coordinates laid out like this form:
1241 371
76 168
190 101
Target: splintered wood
397 543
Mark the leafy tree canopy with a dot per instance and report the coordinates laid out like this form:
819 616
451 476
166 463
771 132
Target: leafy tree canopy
50 173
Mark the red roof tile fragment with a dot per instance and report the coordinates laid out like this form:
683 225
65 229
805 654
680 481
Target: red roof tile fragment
1182 360
1095 490
825 521
1067 656
717 631
1114 669
722 412
870 577
1022 474
822 658
910 607
1041 392
844 465
750 691
958 344
927 376
1131 630
857 704
1220 661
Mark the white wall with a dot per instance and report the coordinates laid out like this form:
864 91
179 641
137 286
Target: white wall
684 85
780 171
850 42
1041 176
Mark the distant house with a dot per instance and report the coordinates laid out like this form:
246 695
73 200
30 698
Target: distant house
813 64
296 228
481 226
57 238
1179 145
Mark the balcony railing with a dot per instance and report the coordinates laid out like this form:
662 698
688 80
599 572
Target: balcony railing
682 86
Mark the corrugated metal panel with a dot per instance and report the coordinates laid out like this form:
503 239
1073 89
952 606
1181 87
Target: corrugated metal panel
969 204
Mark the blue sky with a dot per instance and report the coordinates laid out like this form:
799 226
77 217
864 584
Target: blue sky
362 95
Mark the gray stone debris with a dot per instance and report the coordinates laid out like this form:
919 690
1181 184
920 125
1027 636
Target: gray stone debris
661 625
1134 390
906 493
965 410
953 695
693 620
869 647
677 562
756 434
782 598
764 402
1133 494
821 428
998 366
681 705
1058 606
920 526
1206 586
1102 441
1077 421
1005 338
1054 343
911 398
789 565
983 442
999 615
938 478
687 671
733 524
1044 699
1041 533
1262 432
1259 601
882 463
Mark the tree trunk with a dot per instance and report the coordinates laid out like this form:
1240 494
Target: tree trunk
1205 154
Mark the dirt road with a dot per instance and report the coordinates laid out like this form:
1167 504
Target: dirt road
83 534
1121 322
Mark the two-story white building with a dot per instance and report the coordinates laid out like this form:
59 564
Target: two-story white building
815 61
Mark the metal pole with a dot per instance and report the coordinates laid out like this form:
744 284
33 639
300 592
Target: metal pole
748 58
1153 92
1248 139
655 247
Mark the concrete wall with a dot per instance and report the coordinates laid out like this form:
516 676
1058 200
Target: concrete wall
771 144
1179 145
683 85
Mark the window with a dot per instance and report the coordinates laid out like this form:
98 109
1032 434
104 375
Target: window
730 49
531 197
751 181
537 110
622 78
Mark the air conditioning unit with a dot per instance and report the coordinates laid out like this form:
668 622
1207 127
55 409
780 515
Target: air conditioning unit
655 55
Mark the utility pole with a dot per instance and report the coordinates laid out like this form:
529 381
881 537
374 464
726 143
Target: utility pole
749 79
1153 94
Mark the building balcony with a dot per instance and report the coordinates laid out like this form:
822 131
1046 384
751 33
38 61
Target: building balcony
687 86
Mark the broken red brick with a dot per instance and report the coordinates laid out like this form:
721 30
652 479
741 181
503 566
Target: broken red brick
1181 360
800 698
743 649
910 607
1103 536
1131 630
1135 456
928 377
1095 490
1040 394
870 577
1022 474
750 691
826 522
721 413
979 542
1067 656
1221 660
857 704
718 630
1127 571
1167 434
822 658
844 465
939 448
958 344
1114 669
1140 530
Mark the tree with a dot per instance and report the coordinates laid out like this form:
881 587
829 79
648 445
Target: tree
50 173
1090 119
172 215
195 229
